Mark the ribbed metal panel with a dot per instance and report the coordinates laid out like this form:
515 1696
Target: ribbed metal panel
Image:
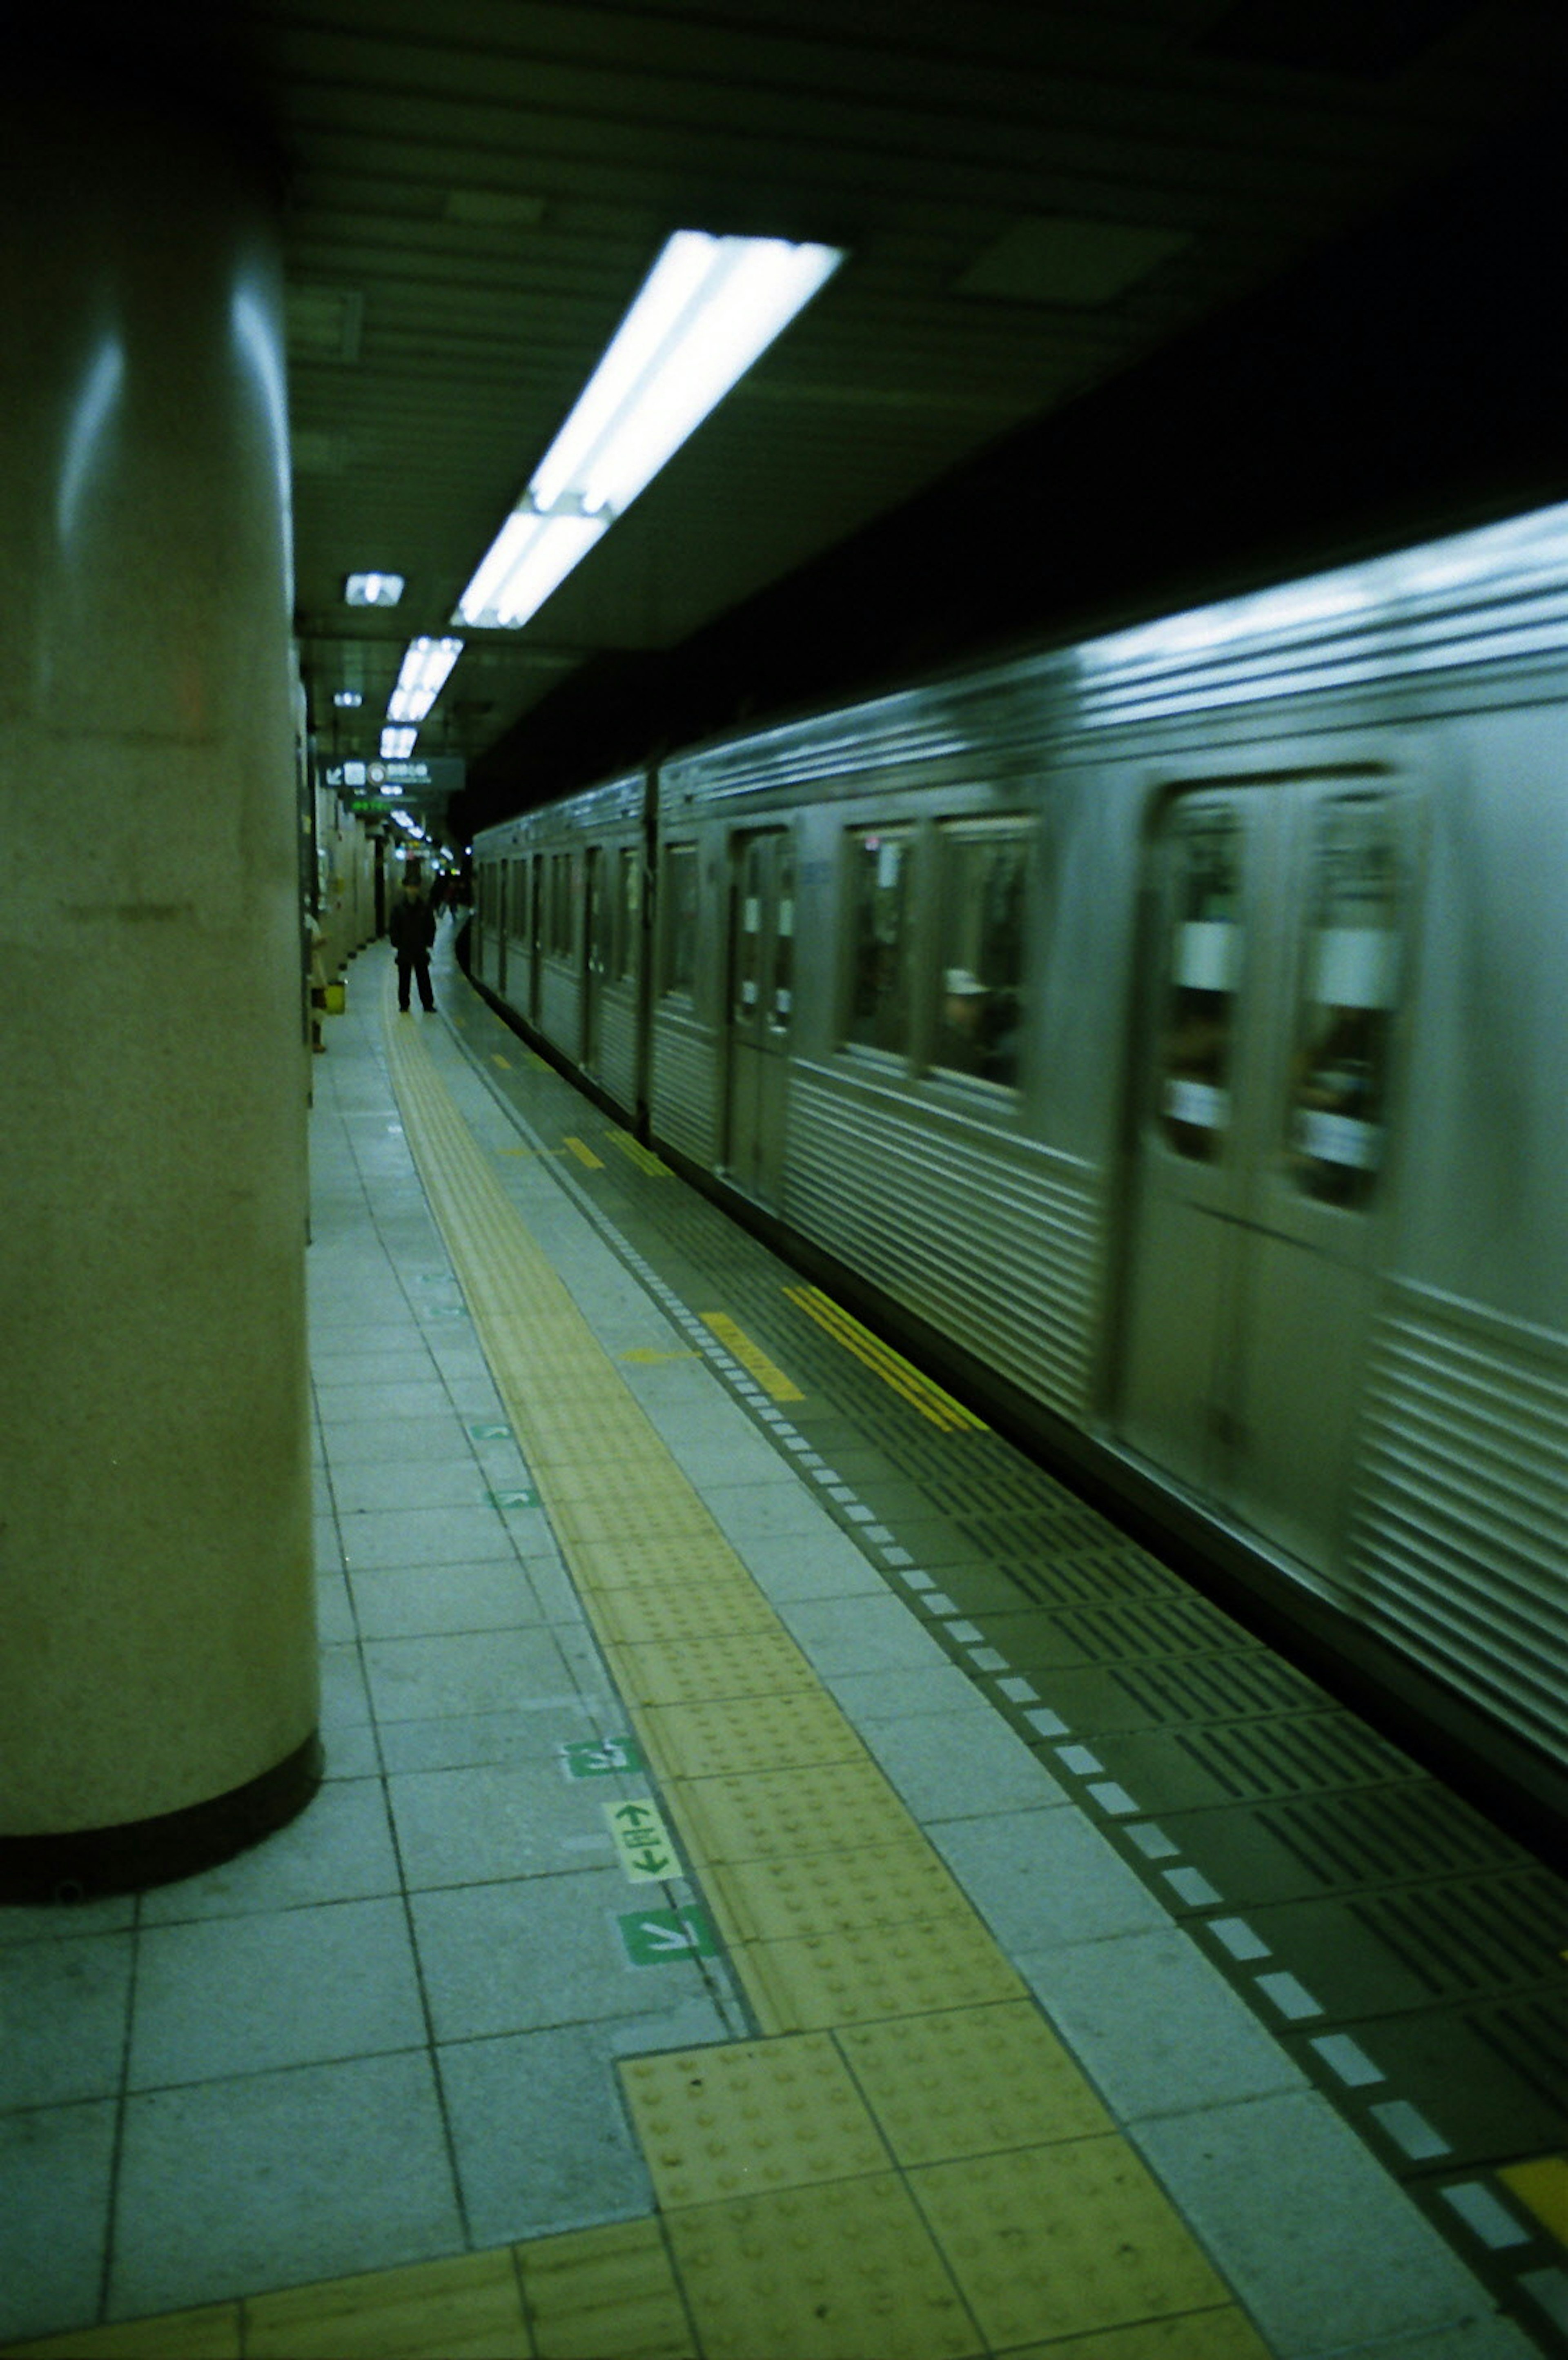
560 1009
1485 604
618 1051
986 1241
1459 1537
682 1089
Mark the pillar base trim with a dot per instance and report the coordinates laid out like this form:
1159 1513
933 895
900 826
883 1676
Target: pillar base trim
88 1863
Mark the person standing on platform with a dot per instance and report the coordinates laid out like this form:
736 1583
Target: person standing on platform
413 929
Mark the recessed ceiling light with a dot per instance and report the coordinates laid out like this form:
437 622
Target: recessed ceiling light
710 307
425 667
347 697
373 589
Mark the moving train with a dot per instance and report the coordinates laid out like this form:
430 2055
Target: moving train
1171 1030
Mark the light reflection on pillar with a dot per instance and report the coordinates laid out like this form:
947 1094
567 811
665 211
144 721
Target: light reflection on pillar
95 406
255 332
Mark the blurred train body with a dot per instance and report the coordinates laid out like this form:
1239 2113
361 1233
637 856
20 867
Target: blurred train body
1176 1026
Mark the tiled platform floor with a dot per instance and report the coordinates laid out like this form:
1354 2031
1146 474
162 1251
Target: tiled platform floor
391 2036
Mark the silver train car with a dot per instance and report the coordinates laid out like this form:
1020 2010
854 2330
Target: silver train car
1173 1028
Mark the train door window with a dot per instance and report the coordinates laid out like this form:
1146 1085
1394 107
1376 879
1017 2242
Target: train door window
781 991
1202 970
749 930
982 866
561 905
880 910
600 912
1349 986
679 963
628 913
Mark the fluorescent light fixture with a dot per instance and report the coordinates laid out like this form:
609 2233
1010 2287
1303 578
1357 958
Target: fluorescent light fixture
373 589
423 678
710 307
397 745
347 697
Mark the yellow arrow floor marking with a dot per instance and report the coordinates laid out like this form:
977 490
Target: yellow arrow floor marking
773 1380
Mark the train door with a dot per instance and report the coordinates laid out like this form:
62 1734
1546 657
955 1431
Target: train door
506 890
1280 915
596 917
761 980
538 912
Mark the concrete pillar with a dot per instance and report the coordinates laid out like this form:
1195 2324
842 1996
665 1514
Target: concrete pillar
157 1666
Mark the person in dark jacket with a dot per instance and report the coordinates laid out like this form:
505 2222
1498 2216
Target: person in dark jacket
413 929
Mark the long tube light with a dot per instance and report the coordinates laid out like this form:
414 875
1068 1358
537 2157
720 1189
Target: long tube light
397 745
710 307
427 664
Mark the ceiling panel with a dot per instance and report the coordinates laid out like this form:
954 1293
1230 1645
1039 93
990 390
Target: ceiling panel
1031 197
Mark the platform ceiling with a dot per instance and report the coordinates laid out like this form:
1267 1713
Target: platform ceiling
1032 199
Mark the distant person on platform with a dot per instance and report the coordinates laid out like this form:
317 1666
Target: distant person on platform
413 929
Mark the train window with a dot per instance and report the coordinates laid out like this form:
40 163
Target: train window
680 918
1202 970
561 905
628 913
1349 986
981 866
880 903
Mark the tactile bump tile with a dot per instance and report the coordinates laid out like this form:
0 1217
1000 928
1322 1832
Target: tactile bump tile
213 2333
1063 2240
1225 2335
838 2272
661 1518
838 1892
833 1979
753 1663
635 1561
734 2121
823 1806
770 1732
674 1617
610 2289
972 2082
468 2304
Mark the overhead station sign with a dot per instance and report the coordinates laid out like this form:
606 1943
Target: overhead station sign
427 774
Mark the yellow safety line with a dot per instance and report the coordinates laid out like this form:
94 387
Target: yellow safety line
916 1388
496 1059
772 1378
583 1152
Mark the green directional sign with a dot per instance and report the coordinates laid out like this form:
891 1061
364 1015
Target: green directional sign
600 1757
646 1852
655 1937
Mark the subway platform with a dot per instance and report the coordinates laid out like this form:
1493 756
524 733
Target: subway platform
745 1915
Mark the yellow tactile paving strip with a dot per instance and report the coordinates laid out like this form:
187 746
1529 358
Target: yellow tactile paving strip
908 2163
796 2192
